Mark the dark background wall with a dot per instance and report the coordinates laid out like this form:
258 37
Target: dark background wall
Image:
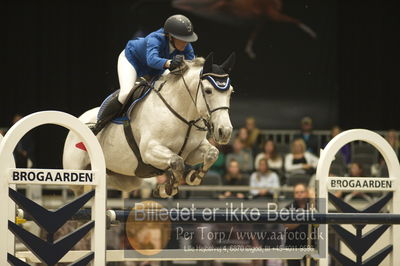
62 55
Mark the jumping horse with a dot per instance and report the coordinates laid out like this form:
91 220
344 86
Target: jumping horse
165 130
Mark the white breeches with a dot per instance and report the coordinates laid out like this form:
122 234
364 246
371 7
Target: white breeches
127 77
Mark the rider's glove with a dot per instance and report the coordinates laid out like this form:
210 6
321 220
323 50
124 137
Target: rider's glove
176 62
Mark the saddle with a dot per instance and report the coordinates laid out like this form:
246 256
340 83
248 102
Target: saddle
138 93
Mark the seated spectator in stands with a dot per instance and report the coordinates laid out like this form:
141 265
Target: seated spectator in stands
309 138
242 155
234 177
300 160
355 170
243 135
302 201
275 161
24 151
345 151
219 165
256 138
264 178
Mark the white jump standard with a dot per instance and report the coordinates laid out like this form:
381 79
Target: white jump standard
358 243
12 176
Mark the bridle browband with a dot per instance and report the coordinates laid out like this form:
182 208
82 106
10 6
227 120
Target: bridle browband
206 121
216 85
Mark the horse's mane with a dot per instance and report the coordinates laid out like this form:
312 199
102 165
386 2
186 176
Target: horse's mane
188 64
197 62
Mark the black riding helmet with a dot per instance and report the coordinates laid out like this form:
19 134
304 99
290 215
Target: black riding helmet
180 27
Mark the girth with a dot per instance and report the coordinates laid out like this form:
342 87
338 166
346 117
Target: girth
143 170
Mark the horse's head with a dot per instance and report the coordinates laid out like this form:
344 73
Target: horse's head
216 90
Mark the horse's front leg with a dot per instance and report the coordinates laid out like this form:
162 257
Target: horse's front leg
162 157
206 154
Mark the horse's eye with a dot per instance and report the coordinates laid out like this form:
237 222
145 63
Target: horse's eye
208 91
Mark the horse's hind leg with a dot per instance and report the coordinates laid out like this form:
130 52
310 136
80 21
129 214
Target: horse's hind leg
163 158
207 154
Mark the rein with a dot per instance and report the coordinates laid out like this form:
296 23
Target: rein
192 123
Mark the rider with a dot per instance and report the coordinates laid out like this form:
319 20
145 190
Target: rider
151 56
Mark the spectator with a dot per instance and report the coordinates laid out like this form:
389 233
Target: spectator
275 161
300 160
306 134
24 151
345 151
242 155
219 165
234 177
243 135
356 170
264 178
256 138
302 201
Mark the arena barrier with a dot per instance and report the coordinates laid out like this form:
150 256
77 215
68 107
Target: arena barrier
51 252
360 243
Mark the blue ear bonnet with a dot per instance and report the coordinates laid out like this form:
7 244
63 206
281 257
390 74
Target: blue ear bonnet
219 82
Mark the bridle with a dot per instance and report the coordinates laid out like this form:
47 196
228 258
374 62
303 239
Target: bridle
210 77
193 123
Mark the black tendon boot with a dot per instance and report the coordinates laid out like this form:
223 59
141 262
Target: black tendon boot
108 111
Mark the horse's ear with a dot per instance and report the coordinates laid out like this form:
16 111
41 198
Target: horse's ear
227 66
207 67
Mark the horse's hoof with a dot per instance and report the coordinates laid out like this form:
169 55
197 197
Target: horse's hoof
168 189
159 192
174 191
163 192
171 190
193 178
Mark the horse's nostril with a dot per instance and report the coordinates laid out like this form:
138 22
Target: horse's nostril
220 132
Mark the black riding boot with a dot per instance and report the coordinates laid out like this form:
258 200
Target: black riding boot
107 112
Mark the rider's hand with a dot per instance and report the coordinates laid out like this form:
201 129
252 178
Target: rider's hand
175 62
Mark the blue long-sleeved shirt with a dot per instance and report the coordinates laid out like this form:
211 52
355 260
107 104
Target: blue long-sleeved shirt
149 54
